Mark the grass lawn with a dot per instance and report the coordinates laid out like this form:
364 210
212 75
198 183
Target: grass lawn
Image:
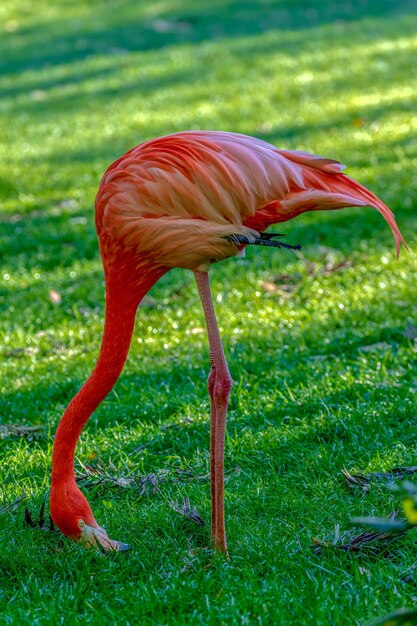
322 346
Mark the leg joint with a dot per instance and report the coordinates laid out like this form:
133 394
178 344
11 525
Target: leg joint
211 381
222 387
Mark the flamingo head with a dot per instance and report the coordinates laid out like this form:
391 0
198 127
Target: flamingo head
72 514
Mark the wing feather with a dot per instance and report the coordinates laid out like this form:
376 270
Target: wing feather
219 179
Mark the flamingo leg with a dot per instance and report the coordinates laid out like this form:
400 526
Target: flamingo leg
211 381
219 386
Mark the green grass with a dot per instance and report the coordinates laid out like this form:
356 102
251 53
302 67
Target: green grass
79 86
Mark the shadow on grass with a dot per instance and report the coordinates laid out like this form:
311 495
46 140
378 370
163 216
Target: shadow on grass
190 75
362 115
57 42
153 387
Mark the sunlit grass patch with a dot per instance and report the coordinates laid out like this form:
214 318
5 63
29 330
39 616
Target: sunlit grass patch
322 345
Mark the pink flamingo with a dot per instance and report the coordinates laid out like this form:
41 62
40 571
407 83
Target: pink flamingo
186 200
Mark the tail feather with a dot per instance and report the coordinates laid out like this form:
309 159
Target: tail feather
325 187
341 191
330 166
360 192
316 199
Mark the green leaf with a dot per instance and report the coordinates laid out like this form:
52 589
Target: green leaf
402 617
381 523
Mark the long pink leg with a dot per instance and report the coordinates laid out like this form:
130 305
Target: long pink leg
219 386
211 381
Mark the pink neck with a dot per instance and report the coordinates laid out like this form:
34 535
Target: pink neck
122 300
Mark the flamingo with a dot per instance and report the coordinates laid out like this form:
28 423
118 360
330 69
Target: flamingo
186 200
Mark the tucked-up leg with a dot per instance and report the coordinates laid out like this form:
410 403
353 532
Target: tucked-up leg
219 386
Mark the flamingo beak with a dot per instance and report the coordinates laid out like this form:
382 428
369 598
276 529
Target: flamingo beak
96 536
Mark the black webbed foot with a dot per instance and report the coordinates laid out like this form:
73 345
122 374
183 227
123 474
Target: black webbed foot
41 523
265 239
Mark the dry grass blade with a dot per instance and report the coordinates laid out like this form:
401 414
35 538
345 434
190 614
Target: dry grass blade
97 475
16 430
17 352
332 267
330 264
375 347
371 541
286 284
150 483
356 480
396 472
186 511
188 473
13 506
142 446
364 480
94 475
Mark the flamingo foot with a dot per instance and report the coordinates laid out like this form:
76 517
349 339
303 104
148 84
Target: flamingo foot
41 523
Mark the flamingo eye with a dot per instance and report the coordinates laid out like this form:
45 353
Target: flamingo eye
81 523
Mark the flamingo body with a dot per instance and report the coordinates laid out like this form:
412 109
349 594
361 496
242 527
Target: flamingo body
175 198
186 200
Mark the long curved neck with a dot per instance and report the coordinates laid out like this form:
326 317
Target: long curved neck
122 300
